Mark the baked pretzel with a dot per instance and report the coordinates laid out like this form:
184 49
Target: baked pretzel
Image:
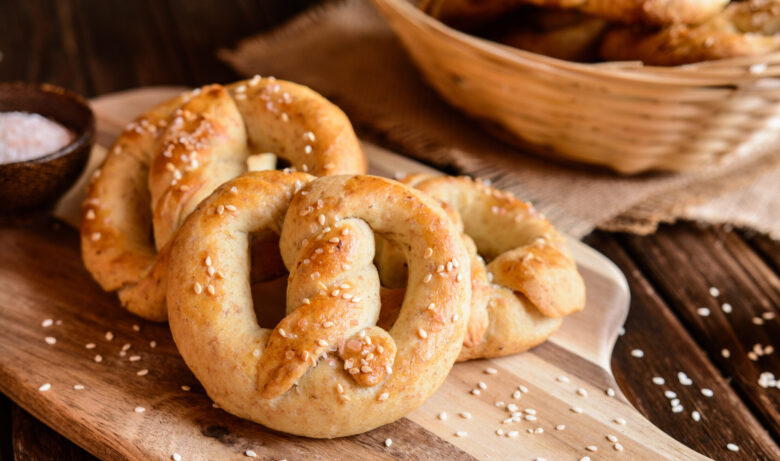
530 283
325 370
746 28
176 154
473 13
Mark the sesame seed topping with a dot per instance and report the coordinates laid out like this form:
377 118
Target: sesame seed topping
707 392
582 392
476 391
461 434
577 410
560 427
512 434
143 372
703 311
185 388
95 236
592 448
516 394
152 344
78 387
620 421
612 438
428 278
726 307
90 346
176 457
725 353
321 219
522 389
109 336
617 447
98 358
422 333
135 358
638 353
610 392
585 458
732 447
47 323
136 327
51 340
211 289
490 371
197 288
442 416
670 394
383 396
44 387
499 432
658 380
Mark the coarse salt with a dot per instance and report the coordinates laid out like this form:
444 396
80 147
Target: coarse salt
25 136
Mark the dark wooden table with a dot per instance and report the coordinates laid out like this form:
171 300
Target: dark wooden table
96 47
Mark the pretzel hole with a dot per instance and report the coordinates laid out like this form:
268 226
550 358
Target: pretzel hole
268 277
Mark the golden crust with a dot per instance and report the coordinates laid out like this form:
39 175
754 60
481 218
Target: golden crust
176 154
298 377
473 13
528 260
746 28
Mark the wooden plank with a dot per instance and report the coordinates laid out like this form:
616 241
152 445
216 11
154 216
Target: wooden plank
34 441
767 248
685 263
668 349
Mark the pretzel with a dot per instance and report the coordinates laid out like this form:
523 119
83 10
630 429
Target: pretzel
176 154
747 28
474 13
530 283
325 370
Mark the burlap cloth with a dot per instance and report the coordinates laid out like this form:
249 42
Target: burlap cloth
346 51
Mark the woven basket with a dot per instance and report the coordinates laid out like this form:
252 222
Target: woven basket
622 115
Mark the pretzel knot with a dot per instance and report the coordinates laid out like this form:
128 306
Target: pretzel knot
169 159
530 282
326 369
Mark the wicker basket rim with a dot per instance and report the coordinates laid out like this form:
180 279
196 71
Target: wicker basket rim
730 71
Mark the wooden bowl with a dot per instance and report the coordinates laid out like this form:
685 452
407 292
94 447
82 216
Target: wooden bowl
39 182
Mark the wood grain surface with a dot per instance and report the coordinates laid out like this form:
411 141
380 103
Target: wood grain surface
80 45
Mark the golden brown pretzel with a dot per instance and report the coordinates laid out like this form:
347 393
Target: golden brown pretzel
746 28
325 370
176 154
472 13
531 280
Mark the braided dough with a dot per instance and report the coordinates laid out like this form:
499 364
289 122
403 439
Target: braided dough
745 28
530 283
325 370
472 13
166 161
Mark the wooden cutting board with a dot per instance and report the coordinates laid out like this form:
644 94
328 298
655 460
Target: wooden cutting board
141 402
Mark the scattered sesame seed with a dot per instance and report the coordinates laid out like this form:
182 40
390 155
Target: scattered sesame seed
211 289
696 416
592 448
176 457
529 417
768 315
703 311
677 409
562 379
197 288
752 356
490 371
476 391
383 396
422 333
152 344
134 358
95 236
47 323
443 416
250 454
658 380
638 353
90 345
577 410
732 447
140 409
610 392
185 388
726 307
98 358
620 421
136 327
560 427
51 340
617 447
725 353
465 415
143 372
522 389
516 394
461 434
109 336
512 434
582 392
511 407
499 432
530 411
758 321
714 292
482 385
585 458
707 392
78 387
612 438
44 387
670 394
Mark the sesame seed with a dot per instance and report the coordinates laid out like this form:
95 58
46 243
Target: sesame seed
98 358
185 388
90 214
516 394
211 289
152 344
511 407
443 416
499 432
670 394
732 447
431 306
140 409
726 307
585 458
562 379
703 311
592 448
50 340
465 415
422 333
530 411
707 392
176 457
455 317
768 315
522 389
47 323
44 387
383 396
638 353
725 353
482 385
658 380
143 372
529 417
461 434
250 454
758 321
197 288
109 336
538 430
612 438
617 447
321 219
577 410
620 421
560 427
714 292
90 345
134 358
490 371
95 236
677 409
610 392
476 391
512 434
582 392
136 327
428 278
